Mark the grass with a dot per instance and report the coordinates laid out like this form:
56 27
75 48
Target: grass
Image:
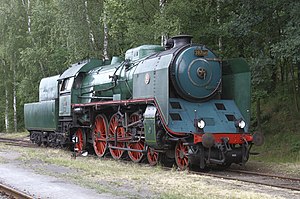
15 135
281 127
128 179
280 148
280 153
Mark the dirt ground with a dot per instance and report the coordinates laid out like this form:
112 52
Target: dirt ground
28 180
46 178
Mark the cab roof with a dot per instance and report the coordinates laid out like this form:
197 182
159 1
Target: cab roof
82 66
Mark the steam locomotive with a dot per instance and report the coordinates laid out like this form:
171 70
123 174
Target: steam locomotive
174 104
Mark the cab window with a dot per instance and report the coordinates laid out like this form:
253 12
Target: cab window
78 81
67 84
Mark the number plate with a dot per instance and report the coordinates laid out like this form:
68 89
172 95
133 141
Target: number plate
201 53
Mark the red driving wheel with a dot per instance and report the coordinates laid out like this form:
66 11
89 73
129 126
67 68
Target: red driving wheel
112 131
81 140
152 156
181 158
99 135
136 156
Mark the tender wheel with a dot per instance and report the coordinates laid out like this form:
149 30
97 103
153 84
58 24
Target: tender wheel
140 145
52 139
180 156
120 131
81 142
46 143
99 135
152 156
37 138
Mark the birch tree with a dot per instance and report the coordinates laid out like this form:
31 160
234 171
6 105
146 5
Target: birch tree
105 36
163 34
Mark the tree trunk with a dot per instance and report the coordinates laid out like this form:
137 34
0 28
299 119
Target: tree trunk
29 17
163 34
15 99
258 114
42 69
281 72
6 113
28 14
219 24
298 78
294 88
6 110
91 34
105 41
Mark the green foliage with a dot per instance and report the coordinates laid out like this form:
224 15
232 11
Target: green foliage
62 32
278 111
130 23
280 148
39 39
261 68
281 128
289 45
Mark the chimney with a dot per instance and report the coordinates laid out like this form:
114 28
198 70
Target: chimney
182 40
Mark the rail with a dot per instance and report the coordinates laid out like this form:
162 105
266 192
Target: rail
272 180
13 193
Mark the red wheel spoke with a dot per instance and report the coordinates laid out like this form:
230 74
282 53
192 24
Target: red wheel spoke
100 127
80 145
141 146
136 156
181 156
120 131
152 156
185 161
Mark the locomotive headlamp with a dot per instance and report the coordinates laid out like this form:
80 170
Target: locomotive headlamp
201 124
240 123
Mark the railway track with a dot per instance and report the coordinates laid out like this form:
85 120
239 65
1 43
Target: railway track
17 142
267 179
279 181
12 193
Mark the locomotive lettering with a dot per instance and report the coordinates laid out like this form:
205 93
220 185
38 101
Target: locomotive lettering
200 53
